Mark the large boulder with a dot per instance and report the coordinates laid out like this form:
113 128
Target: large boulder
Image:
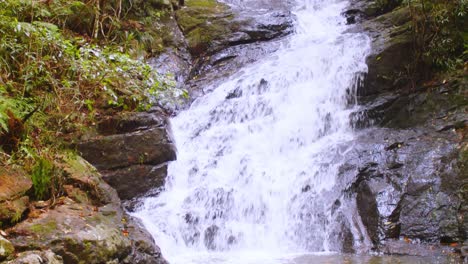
409 184
88 225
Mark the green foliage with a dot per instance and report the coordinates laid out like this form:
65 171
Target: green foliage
41 176
38 57
18 107
440 30
66 62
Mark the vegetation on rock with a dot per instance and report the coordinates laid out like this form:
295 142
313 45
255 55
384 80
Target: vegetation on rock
63 66
439 31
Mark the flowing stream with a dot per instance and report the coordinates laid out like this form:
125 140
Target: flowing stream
258 157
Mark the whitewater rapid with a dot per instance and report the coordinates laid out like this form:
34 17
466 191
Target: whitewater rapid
258 157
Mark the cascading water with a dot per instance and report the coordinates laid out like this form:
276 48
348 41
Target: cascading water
258 157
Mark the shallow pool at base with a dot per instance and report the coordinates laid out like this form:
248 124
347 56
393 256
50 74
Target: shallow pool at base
257 257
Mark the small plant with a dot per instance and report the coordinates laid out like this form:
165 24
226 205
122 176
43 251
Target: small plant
41 176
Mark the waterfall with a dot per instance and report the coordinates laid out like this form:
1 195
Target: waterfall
258 157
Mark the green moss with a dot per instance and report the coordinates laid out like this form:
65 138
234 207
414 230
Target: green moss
44 229
396 17
202 3
187 21
202 22
6 249
78 165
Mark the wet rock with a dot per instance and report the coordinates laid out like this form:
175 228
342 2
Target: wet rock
6 249
391 54
210 26
353 16
145 250
234 94
132 148
402 197
419 199
203 24
367 208
391 57
342 235
152 147
402 247
210 237
253 33
176 62
423 106
131 122
148 177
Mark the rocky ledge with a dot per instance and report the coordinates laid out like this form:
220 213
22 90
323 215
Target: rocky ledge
85 225
131 148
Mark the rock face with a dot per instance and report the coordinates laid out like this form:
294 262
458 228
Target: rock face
210 26
407 175
403 195
88 225
392 52
131 152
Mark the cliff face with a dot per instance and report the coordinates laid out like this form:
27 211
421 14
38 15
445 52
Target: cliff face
408 177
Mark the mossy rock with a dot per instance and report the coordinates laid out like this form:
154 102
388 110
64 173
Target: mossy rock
76 232
392 52
211 4
37 257
205 23
14 183
6 249
379 7
397 17
87 180
12 211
